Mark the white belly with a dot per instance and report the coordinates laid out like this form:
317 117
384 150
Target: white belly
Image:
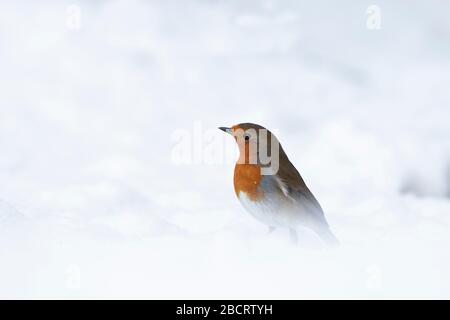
272 211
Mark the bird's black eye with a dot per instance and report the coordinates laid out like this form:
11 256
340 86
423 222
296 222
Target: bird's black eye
247 137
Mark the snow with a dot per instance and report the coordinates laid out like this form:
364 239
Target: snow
93 203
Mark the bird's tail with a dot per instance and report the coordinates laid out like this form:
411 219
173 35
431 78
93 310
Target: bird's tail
328 237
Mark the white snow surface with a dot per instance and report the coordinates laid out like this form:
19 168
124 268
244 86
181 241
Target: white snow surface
93 205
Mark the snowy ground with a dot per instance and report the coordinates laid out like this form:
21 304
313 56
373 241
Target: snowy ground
93 203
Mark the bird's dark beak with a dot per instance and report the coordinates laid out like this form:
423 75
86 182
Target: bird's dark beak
227 130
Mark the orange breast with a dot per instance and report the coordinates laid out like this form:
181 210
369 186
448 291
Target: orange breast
247 178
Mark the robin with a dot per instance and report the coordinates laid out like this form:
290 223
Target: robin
269 186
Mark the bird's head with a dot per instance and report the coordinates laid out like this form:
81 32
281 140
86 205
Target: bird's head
257 145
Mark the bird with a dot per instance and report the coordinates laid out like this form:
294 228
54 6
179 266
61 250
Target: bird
270 188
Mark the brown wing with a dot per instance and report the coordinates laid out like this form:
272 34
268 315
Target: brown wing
293 186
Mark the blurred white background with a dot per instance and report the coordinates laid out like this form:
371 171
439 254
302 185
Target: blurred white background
92 204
